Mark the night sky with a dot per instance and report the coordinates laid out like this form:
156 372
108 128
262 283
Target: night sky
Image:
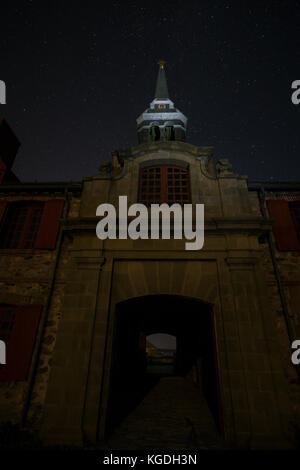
78 74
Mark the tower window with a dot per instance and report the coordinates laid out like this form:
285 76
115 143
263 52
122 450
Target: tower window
164 183
155 133
170 133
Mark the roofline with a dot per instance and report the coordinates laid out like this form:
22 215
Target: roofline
77 185
274 185
42 186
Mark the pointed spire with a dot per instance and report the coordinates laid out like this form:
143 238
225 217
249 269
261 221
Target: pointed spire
161 121
161 90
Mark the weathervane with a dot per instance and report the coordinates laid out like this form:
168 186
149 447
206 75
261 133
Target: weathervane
161 63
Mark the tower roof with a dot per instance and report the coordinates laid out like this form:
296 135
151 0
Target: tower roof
161 90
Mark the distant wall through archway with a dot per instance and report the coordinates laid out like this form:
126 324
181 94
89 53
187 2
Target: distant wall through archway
190 321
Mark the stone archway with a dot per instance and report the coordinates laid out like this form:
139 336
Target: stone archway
190 321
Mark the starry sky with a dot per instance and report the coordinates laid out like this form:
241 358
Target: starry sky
79 73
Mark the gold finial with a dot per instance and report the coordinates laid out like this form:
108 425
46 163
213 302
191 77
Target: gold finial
161 63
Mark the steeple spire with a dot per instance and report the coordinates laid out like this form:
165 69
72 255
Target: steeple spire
161 121
161 90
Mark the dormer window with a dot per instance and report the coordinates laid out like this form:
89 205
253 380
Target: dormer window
162 106
164 183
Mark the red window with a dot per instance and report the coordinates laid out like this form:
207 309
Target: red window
18 329
7 319
286 217
22 225
30 224
164 183
295 212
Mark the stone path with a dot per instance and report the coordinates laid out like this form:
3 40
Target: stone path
172 416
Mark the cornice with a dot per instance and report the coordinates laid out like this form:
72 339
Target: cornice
255 224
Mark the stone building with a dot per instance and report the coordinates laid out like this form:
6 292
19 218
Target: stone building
75 310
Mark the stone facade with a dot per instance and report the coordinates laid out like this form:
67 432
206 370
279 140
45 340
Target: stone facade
26 278
84 281
288 264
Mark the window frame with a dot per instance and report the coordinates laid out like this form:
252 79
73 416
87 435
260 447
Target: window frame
49 223
164 184
9 225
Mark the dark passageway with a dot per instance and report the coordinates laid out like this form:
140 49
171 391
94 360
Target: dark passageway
190 321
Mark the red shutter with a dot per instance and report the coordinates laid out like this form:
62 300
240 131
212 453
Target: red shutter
20 347
49 225
283 227
3 205
2 170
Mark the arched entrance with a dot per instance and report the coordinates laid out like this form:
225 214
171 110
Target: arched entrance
190 321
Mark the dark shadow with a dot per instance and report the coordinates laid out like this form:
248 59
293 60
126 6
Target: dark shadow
190 321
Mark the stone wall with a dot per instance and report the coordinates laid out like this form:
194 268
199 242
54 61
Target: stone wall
233 272
25 278
288 263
